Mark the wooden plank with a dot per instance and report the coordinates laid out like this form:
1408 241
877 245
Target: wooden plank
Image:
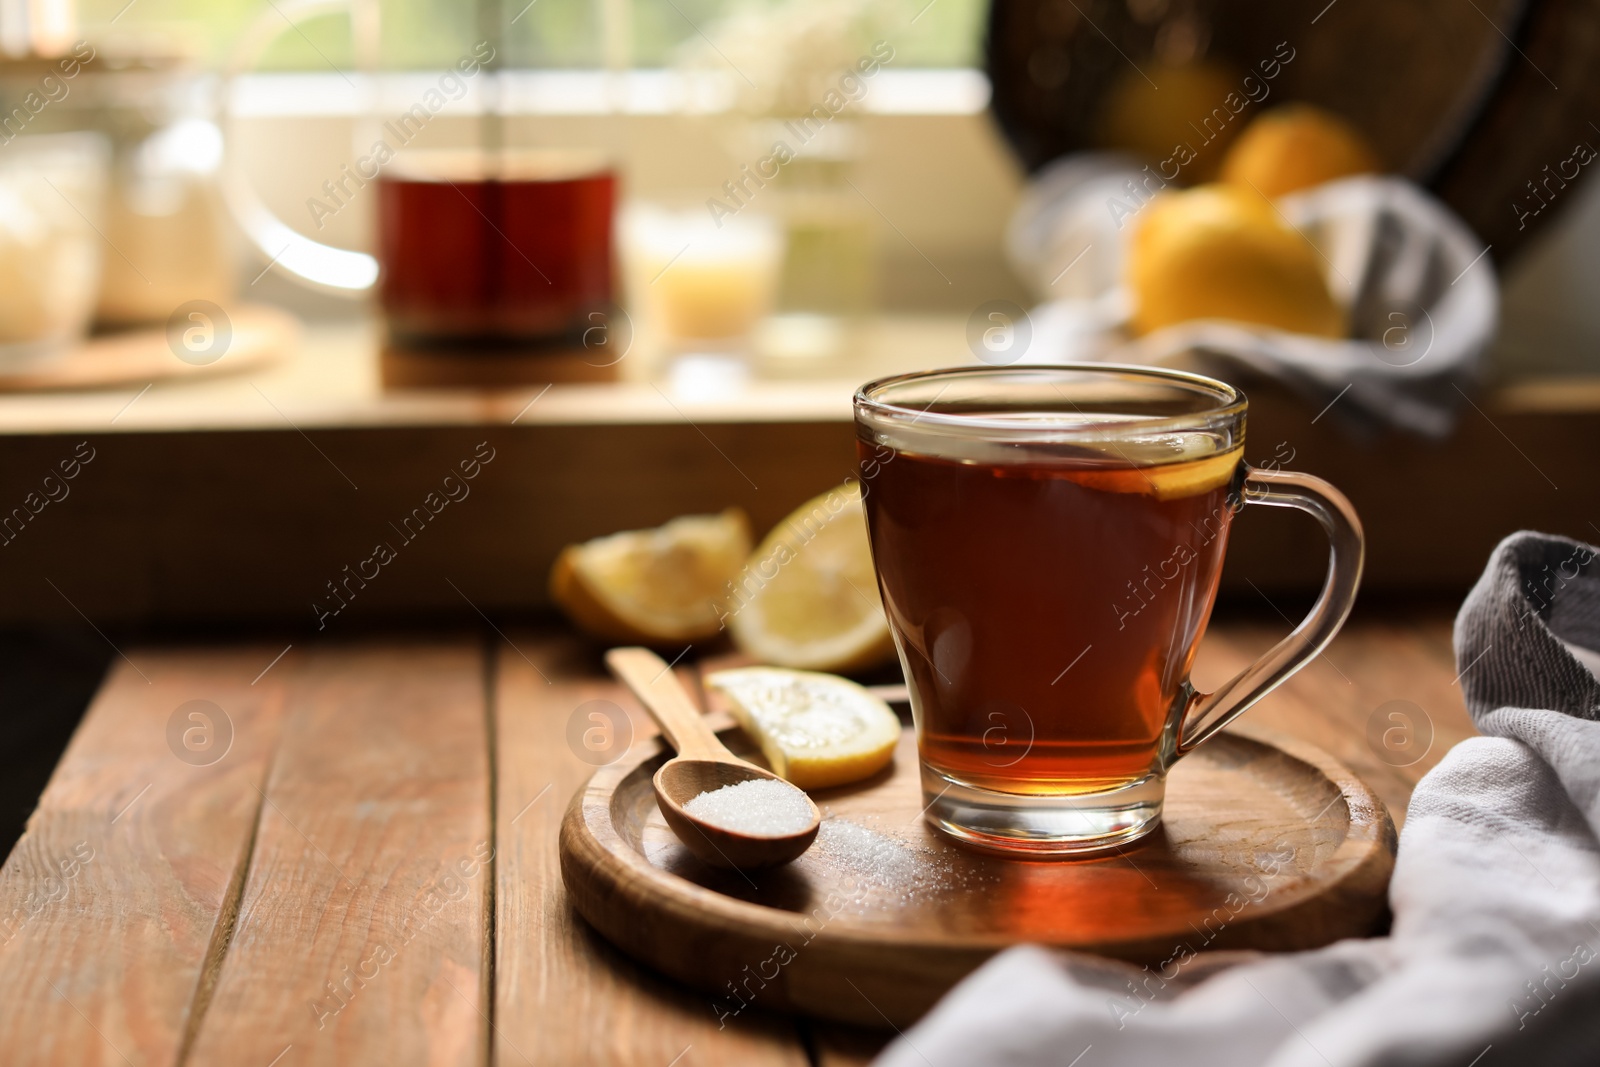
837 1045
563 996
121 888
1411 493
584 460
362 928
278 520
1380 665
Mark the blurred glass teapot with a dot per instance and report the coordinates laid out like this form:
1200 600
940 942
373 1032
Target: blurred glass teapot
493 244
497 243
156 200
169 195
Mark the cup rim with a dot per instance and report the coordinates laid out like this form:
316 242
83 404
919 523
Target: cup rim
1231 404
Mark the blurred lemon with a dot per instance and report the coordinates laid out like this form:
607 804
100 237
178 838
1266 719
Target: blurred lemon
1221 252
669 584
1186 110
816 730
808 597
1295 147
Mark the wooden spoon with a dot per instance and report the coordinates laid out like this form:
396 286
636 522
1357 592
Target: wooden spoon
702 763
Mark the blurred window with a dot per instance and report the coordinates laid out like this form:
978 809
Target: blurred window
425 34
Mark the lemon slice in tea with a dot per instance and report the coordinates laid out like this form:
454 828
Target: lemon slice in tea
1165 481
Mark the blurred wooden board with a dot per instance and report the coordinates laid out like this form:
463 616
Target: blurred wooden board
1265 844
848 1046
261 335
409 368
239 498
251 523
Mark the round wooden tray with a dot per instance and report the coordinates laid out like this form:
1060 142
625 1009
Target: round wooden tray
1267 843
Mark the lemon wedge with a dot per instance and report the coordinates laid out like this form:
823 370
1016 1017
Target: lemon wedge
816 730
1166 481
669 584
808 598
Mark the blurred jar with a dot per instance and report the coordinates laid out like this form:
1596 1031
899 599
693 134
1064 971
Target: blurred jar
704 283
52 190
165 224
828 264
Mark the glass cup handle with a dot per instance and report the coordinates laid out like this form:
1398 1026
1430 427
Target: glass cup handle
1209 712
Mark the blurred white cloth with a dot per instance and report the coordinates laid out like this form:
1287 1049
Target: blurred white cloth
1421 292
1494 955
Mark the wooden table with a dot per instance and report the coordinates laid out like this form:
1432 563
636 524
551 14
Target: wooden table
367 873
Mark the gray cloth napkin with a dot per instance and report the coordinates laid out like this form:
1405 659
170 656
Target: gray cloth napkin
1494 954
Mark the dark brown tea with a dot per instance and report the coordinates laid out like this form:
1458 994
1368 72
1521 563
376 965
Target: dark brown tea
516 251
1048 611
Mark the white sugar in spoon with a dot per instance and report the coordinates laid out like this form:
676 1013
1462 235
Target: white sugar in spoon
703 764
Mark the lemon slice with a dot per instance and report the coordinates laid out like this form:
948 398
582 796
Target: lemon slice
808 598
669 584
1166 481
816 730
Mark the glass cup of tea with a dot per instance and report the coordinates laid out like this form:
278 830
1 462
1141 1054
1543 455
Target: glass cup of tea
1048 541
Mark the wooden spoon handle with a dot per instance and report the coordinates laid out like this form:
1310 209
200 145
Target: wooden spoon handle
652 681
